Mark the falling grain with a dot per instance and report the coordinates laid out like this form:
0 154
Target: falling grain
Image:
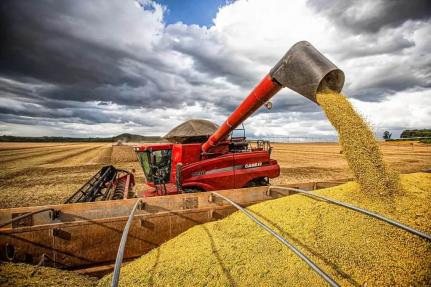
359 145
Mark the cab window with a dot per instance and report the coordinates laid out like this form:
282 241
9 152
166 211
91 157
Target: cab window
156 165
162 165
144 160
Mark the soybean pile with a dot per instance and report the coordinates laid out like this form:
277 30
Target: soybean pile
18 274
354 249
359 145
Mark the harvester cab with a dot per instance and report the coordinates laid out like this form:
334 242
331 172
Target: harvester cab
155 161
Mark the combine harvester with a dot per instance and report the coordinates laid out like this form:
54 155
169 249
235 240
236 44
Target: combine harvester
83 234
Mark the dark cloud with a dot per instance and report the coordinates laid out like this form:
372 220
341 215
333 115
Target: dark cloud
41 43
210 55
95 62
36 45
370 16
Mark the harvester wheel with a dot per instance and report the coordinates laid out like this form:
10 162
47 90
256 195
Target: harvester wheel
260 181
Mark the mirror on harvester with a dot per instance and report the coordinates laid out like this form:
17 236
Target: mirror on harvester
268 105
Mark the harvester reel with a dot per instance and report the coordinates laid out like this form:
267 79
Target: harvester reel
108 183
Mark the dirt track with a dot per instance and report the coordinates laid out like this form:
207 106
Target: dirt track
38 174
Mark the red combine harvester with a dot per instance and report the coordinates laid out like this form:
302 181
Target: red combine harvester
176 167
202 156
206 162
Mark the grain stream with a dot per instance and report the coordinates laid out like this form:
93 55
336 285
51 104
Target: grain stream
359 146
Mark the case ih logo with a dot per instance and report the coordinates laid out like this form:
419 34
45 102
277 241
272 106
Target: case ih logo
251 165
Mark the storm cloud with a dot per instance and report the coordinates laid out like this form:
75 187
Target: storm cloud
104 67
370 16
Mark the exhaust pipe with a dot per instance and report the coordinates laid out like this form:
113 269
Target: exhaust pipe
302 69
306 71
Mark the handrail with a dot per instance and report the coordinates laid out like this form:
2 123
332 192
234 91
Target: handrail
283 240
18 218
358 209
121 247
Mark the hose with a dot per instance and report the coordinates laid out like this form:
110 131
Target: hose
121 247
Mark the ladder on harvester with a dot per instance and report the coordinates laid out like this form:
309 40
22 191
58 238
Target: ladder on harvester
108 183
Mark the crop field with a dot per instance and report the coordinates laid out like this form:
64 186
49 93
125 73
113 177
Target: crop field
45 173
48 173
306 162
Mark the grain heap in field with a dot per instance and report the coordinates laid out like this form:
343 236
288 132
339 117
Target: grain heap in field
359 145
18 274
354 249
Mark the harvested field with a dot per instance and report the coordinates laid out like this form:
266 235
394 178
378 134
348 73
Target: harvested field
47 173
122 153
39 174
354 249
303 162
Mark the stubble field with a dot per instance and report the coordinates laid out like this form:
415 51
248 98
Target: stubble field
48 173
325 161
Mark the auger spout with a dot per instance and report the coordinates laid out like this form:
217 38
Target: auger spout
303 69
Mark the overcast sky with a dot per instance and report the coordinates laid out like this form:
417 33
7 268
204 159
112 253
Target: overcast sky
100 68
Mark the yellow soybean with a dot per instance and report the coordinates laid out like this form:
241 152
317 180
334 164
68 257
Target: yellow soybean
19 274
359 146
354 249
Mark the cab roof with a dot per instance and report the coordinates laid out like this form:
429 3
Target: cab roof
153 147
